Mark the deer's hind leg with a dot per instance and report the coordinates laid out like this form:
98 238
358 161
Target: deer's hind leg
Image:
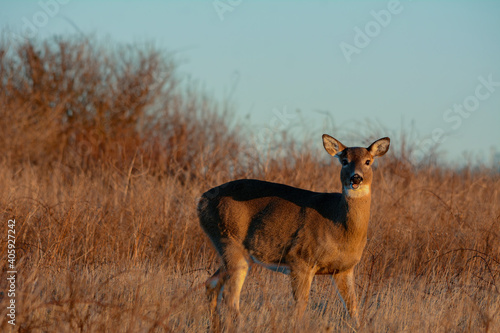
301 278
227 283
237 267
214 287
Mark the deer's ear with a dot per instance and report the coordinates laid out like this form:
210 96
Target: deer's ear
332 145
379 147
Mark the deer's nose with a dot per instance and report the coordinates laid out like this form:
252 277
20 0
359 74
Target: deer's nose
356 179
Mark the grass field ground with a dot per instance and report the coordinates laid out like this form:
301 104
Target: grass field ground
101 168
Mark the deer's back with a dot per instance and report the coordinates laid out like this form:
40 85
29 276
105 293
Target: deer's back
269 219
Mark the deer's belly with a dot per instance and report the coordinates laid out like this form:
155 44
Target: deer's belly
276 267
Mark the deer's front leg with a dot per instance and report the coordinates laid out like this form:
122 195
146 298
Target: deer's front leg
346 288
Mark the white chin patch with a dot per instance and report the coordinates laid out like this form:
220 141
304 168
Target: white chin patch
361 191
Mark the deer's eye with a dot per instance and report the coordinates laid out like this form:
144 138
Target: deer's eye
345 162
367 162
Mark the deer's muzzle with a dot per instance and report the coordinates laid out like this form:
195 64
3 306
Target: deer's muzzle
356 181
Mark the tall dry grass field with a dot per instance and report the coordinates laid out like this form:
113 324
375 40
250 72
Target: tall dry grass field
104 152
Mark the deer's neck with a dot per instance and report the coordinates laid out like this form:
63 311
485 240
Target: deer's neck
357 205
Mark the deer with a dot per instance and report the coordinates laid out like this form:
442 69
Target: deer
291 230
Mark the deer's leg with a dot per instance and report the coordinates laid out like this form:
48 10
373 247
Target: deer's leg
214 286
346 289
237 268
301 279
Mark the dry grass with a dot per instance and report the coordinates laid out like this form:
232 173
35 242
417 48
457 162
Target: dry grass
101 168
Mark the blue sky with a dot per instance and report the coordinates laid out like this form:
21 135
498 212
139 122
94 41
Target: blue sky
333 66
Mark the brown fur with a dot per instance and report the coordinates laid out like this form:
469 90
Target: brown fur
287 229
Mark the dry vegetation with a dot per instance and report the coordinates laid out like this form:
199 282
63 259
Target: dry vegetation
103 155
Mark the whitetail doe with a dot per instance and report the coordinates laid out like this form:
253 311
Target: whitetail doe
291 230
